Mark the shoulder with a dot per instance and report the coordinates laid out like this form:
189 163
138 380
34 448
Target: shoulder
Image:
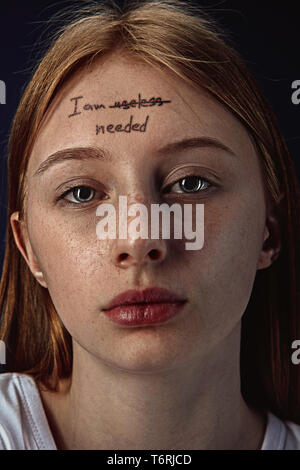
23 424
281 435
293 436
13 382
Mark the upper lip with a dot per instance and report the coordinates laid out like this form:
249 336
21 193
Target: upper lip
150 295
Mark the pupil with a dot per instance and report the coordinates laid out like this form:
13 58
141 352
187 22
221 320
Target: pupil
83 193
191 183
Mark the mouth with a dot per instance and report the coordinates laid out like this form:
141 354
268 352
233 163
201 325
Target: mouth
147 307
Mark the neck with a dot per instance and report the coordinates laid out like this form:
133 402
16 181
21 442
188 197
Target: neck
191 407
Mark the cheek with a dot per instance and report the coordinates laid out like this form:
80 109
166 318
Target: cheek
226 265
73 260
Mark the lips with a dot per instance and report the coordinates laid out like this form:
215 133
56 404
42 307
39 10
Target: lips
151 295
153 305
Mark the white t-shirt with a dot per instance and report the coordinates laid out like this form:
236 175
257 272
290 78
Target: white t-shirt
24 425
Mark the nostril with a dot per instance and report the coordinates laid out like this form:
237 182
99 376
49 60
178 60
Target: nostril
123 256
154 254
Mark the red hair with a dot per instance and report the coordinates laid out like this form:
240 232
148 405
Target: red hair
178 37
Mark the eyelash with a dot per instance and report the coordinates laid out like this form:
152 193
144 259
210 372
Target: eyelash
73 188
203 180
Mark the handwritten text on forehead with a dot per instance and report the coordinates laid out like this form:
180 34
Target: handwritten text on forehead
81 107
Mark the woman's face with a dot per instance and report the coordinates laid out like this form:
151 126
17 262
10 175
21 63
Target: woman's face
83 273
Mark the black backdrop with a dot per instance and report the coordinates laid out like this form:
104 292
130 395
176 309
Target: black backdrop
266 33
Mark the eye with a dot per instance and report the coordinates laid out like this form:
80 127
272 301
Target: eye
190 184
78 195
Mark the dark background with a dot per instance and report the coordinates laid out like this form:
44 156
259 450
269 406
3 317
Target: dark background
264 32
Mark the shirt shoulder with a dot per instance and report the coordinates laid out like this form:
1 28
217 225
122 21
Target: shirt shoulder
293 436
281 435
23 422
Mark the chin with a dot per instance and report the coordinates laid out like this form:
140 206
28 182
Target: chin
145 356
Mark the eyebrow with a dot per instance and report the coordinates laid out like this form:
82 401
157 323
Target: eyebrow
195 142
73 153
97 153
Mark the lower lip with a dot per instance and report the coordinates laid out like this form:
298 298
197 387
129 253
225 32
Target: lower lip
144 314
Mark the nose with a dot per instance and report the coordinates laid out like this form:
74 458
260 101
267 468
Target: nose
137 252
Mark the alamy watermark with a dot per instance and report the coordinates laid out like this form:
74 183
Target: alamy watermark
296 354
296 94
2 353
2 92
139 226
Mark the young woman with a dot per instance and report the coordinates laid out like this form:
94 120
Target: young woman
141 343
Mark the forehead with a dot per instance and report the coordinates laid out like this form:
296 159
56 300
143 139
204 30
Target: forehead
126 105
